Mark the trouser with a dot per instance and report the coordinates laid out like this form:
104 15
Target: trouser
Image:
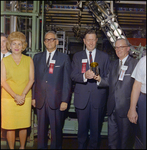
89 119
142 118
120 132
47 116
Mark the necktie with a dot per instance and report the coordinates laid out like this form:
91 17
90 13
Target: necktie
120 64
48 59
3 55
90 57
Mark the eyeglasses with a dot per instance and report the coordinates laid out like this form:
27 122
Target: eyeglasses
49 40
121 47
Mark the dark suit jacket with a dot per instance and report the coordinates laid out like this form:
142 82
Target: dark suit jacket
119 91
84 90
54 87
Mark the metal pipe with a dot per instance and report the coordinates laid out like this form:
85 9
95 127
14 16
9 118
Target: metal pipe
129 2
42 31
62 12
34 26
37 33
13 19
18 14
131 23
38 27
111 6
3 4
141 15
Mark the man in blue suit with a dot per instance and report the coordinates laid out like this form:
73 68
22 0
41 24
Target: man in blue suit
51 91
89 99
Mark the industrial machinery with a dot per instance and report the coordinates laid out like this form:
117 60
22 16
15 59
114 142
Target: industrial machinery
110 26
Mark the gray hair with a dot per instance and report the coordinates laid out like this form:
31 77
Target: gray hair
52 33
3 34
127 42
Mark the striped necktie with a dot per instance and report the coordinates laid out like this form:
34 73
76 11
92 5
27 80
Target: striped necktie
90 57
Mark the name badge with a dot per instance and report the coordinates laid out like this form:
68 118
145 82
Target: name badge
123 70
51 67
124 67
84 62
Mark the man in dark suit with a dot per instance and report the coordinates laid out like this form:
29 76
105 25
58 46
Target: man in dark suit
89 100
120 134
51 91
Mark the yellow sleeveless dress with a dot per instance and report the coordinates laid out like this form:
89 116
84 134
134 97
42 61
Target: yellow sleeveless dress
17 76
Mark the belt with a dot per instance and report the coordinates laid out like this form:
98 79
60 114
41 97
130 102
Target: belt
143 93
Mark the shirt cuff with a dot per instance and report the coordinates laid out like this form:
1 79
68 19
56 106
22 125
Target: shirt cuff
98 83
84 79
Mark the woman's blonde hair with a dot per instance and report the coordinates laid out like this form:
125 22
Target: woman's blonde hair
16 36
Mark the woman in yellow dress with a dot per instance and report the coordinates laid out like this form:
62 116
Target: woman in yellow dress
17 77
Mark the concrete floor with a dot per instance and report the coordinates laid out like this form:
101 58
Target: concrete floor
69 142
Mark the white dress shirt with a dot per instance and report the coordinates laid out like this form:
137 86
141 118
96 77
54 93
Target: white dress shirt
7 54
52 54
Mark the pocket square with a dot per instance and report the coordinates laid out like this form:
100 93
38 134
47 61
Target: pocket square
57 66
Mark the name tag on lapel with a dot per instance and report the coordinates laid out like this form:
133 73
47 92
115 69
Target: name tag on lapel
123 70
51 67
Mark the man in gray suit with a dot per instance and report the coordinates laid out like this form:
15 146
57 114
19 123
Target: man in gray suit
120 135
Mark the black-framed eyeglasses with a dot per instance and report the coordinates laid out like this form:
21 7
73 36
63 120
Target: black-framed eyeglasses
120 47
50 40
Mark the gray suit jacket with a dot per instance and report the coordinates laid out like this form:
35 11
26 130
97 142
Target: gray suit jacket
119 91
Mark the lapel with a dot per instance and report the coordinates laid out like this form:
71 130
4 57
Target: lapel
84 56
115 71
43 60
127 61
55 55
97 57
116 65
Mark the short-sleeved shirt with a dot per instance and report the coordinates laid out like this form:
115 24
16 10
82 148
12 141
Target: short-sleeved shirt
139 73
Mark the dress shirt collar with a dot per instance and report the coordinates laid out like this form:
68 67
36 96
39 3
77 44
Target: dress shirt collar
7 54
52 54
124 60
93 54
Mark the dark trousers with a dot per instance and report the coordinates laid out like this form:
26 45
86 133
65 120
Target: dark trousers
120 132
47 116
142 118
89 119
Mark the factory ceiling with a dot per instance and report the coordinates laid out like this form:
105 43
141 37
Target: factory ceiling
74 17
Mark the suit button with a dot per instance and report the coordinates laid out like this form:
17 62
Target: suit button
46 81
